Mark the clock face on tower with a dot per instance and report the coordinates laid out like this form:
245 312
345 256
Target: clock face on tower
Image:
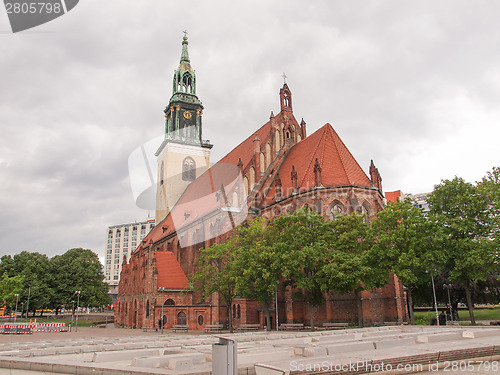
188 121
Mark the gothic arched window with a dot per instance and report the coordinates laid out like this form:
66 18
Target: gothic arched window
367 211
336 210
182 318
186 82
169 302
162 173
188 169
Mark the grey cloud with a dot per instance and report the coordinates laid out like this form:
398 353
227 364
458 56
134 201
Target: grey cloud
401 82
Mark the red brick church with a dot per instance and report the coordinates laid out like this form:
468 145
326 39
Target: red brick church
274 171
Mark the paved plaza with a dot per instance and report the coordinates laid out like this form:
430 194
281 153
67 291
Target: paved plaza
108 351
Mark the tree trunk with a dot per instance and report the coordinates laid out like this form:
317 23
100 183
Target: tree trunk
468 296
410 307
360 311
311 318
268 319
230 315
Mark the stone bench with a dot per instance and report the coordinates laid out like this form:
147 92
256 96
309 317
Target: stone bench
437 337
399 342
335 325
213 328
292 326
167 360
180 327
349 347
249 327
123 355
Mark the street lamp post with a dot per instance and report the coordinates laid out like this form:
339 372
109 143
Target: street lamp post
276 300
73 313
447 287
28 304
162 289
435 299
77 306
15 312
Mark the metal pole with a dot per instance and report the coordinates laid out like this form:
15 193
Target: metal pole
73 314
276 298
77 306
28 304
449 300
435 299
15 313
162 322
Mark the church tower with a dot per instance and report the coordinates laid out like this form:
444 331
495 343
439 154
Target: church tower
183 155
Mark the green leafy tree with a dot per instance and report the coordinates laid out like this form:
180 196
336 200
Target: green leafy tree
406 245
463 213
7 265
351 267
36 293
259 264
215 273
489 188
9 287
303 239
78 270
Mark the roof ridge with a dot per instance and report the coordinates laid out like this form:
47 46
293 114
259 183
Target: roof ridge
342 161
323 150
243 141
313 153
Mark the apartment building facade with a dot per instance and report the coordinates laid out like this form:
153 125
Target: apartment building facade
121 240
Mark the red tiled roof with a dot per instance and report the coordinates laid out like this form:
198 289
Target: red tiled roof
200 196
394 196
245 149
170 274
338 166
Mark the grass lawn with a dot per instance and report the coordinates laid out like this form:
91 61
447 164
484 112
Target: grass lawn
424 317
84 320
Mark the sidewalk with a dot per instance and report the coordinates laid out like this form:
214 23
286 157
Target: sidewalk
82 332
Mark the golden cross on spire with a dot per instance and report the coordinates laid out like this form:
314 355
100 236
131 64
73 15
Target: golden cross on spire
185 33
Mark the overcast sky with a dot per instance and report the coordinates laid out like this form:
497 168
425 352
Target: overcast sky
413 85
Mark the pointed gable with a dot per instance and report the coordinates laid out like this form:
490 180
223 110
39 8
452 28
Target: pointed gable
170 274
338 166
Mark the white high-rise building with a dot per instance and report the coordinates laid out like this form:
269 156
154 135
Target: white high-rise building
421 201
121 241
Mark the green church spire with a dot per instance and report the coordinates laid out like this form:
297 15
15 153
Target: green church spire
185 54
183 113
185 76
